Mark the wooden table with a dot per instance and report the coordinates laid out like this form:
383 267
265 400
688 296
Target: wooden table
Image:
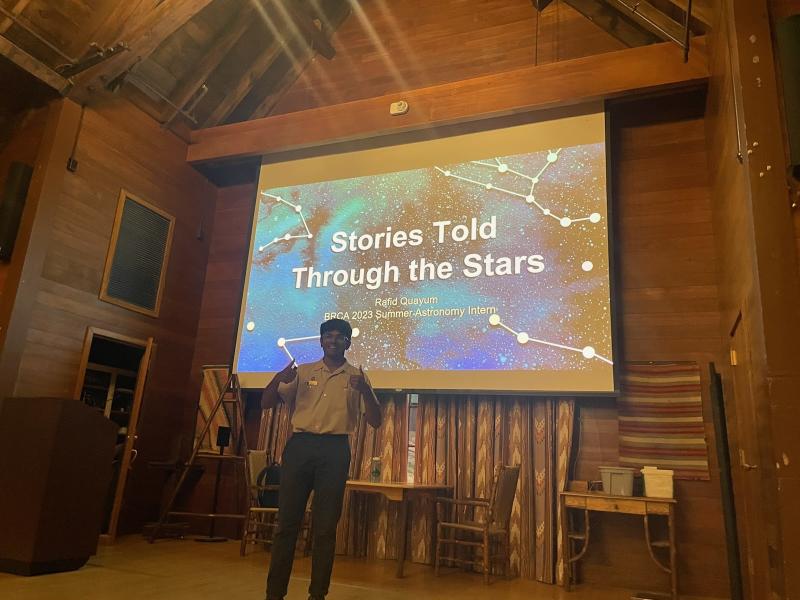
604 503
403 493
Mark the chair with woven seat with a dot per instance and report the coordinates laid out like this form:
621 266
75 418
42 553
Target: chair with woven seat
455 529
262 520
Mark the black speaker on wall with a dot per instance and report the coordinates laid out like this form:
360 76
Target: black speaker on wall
223 436
12 202
787 34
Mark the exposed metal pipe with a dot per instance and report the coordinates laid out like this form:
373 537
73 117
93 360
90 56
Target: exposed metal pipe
189 108
141 81
198 98
729 42
687 32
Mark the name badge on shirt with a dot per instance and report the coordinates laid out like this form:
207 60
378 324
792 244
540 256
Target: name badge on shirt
312 382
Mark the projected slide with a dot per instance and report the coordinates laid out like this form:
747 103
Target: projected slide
478 262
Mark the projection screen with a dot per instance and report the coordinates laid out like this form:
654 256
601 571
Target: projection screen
478 262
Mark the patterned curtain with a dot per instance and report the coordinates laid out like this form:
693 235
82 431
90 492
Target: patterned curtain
368 523
367 526
274 431
460 439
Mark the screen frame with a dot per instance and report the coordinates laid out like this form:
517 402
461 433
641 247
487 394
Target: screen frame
476 126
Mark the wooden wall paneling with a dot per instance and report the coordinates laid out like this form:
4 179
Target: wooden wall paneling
222 292
216 330
608 75
738 291
669 306
385 48
779 281
119 147
23 276
759 277
774 233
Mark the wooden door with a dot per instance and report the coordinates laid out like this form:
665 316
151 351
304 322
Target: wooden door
745 467
130 452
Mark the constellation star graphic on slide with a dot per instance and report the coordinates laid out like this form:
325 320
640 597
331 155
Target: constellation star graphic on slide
530 197
503 168
287 236
284 342
587 352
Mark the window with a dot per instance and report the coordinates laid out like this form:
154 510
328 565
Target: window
137 255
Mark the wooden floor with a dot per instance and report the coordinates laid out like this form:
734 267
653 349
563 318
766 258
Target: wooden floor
188 570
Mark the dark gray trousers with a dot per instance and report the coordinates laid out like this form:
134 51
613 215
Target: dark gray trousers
310 462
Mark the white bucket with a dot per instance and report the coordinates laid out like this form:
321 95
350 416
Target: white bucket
658 482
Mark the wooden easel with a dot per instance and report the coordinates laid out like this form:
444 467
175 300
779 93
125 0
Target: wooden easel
231 395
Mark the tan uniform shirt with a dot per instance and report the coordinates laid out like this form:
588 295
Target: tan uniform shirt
322 401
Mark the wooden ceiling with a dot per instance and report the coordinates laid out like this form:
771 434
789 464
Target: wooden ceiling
195 62
201 63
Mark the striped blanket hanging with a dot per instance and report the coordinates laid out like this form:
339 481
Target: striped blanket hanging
214 379
661 419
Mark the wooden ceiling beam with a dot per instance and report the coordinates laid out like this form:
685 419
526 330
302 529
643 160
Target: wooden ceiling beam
199 74
16 10
294 71
613 22
649 17
701 10
307 29
113 24
651 68
33 66
146 26
237 93
301 58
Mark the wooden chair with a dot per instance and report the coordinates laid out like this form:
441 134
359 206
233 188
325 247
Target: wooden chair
261 521
494 527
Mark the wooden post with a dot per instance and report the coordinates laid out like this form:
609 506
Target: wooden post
33 239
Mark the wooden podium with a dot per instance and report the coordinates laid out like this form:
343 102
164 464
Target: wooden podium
55 469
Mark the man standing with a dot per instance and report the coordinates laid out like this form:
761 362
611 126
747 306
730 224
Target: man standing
325 400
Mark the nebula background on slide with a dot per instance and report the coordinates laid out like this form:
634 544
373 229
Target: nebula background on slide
567 303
